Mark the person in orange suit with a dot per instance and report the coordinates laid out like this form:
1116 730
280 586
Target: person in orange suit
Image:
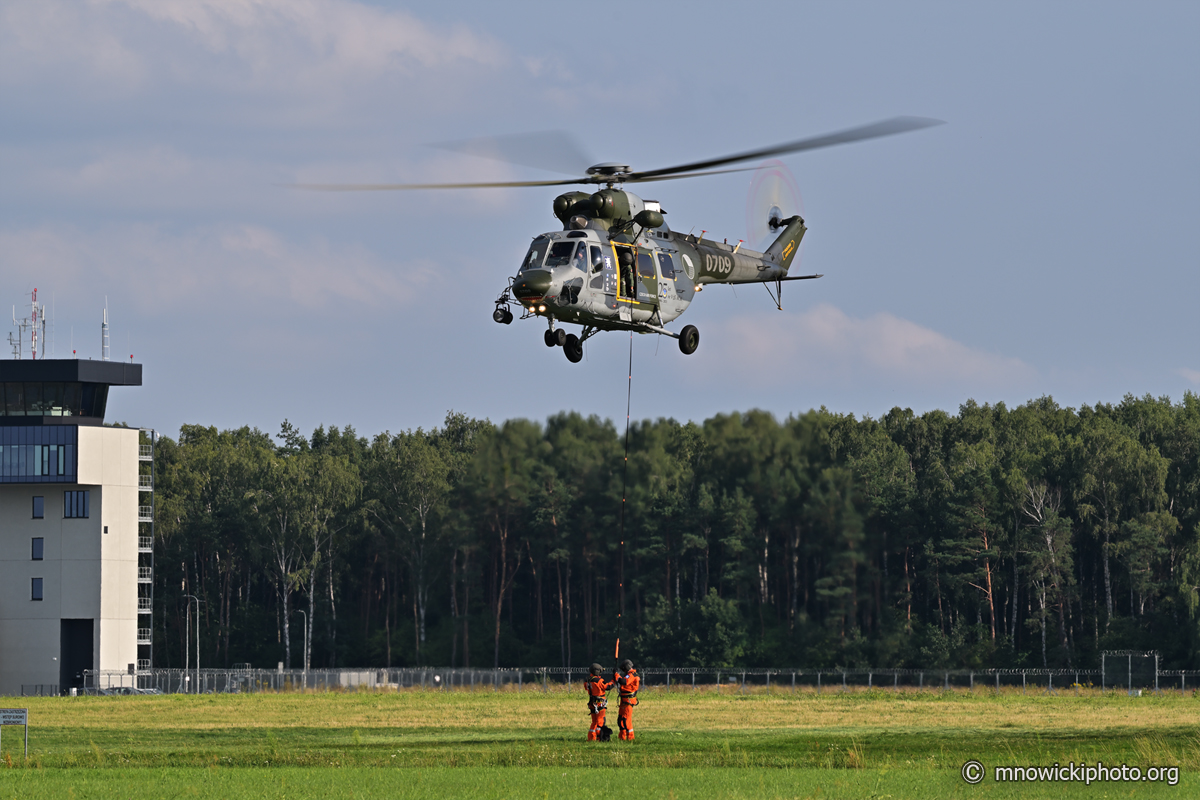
628 683
597 702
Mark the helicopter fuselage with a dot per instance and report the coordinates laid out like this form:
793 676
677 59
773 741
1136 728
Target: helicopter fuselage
630 271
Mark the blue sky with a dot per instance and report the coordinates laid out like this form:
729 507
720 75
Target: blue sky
1042 242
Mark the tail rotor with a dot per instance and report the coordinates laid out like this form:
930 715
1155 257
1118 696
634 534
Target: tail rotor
773 197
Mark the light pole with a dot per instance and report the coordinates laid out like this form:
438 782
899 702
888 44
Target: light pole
190 598
304 655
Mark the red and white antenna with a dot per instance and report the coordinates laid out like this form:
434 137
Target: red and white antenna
36 323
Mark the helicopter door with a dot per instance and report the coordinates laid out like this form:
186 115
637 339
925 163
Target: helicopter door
603 275
626 280
647 288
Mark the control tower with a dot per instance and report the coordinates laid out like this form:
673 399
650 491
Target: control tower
71 583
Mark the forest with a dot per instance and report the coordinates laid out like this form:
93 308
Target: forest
995 537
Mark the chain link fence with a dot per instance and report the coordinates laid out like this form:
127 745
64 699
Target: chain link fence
654 680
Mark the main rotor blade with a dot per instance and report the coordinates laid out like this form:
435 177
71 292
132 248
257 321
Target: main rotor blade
555 151
399 187
677 176
885 127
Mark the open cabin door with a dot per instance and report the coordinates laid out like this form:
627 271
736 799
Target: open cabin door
637 279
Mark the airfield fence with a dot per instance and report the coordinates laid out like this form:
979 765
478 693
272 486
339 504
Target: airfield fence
654 679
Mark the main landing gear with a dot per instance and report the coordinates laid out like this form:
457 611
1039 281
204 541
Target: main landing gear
572 345
689 339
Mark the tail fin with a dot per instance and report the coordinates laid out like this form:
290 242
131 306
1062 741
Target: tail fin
784 248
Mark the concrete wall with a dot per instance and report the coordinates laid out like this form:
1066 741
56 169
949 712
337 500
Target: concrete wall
108 458
86 573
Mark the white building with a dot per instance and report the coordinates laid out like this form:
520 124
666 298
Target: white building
70 577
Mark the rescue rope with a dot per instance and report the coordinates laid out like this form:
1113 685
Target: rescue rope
624 486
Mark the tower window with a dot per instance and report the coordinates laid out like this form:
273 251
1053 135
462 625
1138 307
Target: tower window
75 504
39 507
36 589
39 547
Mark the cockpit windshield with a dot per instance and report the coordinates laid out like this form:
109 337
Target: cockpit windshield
560 253
537 252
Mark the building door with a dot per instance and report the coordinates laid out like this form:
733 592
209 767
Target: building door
76 651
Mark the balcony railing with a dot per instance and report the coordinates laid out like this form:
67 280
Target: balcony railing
145 605
143 636
145 452
146 483
145 513
145 575
145 544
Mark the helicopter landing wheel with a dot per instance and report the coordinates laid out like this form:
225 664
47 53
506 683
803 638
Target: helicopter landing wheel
551 338
560 337
573 348
689 339
502 315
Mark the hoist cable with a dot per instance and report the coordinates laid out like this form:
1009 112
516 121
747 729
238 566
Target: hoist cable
624 487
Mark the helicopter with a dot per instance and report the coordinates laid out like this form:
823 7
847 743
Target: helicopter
615 265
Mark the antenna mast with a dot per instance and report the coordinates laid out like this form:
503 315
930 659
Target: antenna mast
38 324
104 333
18 341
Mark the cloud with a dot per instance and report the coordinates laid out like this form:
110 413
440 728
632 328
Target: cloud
52 37
1191 375
826 344
167 273
347 37
321 53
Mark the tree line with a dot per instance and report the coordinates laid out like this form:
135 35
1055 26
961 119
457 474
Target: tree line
994 537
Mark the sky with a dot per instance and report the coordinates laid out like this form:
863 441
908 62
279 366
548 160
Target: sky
1042 242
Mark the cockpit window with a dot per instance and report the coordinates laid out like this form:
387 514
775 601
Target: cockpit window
560 253
580 260
537 252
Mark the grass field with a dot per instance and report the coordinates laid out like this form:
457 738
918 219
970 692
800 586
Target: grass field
508 745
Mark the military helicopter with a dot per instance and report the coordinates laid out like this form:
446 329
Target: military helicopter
617 266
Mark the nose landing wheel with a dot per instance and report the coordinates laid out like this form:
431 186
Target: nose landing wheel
573 348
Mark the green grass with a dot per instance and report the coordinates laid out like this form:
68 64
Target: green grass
412 744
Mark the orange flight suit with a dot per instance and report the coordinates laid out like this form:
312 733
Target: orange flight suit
627 688
597 703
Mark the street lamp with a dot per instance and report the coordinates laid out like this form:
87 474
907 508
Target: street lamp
186 658
304 655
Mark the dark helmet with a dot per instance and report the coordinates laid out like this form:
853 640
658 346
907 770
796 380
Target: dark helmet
626 665
596 669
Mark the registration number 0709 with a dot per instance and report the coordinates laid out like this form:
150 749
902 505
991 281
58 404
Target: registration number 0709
718 264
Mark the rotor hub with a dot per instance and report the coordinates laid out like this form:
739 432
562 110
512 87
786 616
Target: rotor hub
609 169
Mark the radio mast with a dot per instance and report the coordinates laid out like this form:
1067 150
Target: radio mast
104 333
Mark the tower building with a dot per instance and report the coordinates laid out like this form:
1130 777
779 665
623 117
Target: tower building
75 567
